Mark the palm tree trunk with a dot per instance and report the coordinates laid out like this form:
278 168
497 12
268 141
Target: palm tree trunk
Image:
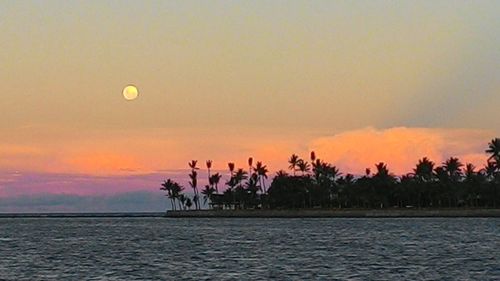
172 205
494 196
198 198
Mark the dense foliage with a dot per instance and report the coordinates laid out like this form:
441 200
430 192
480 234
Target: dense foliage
321 185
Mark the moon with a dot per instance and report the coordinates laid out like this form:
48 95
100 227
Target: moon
130 92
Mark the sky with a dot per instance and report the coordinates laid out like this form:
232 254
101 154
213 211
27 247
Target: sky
358 82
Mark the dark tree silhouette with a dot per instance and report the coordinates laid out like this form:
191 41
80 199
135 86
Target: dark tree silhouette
293 161
230 165
494 149
189 203
214 181
240 176
182 201
250 165
424 171
427 186
207 192
281 173
209 166
261 171
193 176
303 166
313 156
167 186
383 182
453 167
290 192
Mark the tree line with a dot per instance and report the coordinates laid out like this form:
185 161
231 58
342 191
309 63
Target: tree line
318 184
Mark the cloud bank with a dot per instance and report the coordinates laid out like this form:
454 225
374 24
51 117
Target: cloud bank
85 169
401 147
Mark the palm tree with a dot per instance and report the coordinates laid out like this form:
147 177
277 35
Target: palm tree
230 165
196 199
382 170
449 175
313 156
250 163
470 171
442 184
252 186
325 177
293 161
167 186
332 172
240 176
192 164
177 192
492 174
472 182
345 189
207 193
490 170
193 176
494 149
231 182
323 170
421 180
383 181
316 167
209 166
281 174
424 170
174 192
214 181
453 166
235 186
182 200
304 167
261 171
194 182
189 203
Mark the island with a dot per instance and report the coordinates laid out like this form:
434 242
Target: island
318 189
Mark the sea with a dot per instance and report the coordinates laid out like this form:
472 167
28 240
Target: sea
159 248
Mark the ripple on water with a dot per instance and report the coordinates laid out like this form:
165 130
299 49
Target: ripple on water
249 249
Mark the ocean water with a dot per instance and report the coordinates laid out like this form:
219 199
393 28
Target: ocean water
249 249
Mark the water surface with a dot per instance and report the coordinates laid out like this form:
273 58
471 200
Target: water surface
249 249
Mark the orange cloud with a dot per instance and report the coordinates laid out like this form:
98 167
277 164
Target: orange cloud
142 152
400 148
104 163
23 157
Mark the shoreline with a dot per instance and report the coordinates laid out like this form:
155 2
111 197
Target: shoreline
298 213
82 215
336 213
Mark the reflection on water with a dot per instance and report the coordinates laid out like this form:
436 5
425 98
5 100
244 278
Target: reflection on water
249 249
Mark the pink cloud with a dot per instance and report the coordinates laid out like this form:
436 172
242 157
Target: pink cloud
17 184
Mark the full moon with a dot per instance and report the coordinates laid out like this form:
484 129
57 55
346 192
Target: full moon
130 92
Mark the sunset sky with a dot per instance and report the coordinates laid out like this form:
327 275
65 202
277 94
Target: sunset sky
359 82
